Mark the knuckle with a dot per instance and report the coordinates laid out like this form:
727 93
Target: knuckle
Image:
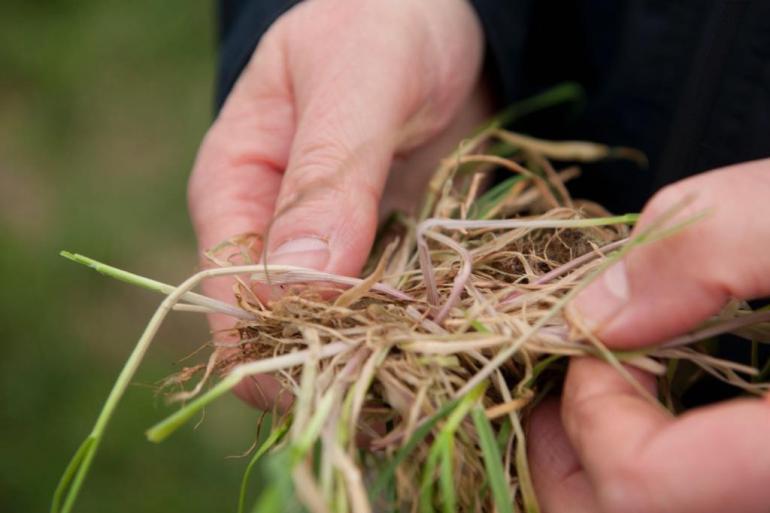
326 171
679 195
321 169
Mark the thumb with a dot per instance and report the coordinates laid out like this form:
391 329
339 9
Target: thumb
326 209
668 287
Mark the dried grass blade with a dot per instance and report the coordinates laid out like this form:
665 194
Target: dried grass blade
522 469
356 292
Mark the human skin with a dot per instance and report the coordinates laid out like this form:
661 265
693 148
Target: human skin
343 107
339 90
602 447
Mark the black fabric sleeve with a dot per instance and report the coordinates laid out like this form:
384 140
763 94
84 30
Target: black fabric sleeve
241 25
506 27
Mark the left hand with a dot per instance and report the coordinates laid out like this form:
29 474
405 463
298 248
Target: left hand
604 448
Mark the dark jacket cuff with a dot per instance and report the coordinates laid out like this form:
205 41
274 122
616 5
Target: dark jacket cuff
243 22
505 29
241 25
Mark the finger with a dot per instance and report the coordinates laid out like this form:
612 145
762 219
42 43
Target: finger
356 111
607 421
237 174
264 393
640 459
669 286
235 181
560 483
327 205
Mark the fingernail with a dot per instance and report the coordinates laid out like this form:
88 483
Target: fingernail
604 298
310 252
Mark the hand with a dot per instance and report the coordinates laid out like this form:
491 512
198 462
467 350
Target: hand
607 449
334 92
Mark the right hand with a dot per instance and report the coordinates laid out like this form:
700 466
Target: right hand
335 90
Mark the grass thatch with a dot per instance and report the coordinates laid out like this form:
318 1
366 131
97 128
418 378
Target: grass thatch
436 356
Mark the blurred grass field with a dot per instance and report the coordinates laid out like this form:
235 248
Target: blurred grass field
102 105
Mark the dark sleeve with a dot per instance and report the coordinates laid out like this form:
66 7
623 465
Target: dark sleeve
242 23
506 27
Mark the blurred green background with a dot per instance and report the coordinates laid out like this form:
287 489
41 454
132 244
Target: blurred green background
102 105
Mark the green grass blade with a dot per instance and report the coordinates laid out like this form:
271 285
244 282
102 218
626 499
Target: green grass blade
487 201
565 93
154 285
66 484
419 434
273 438
446 476
83 461
492 462
479 326
568 92
426 485
119 274
540 366
167 426
503 434
444 438
314 426
278 495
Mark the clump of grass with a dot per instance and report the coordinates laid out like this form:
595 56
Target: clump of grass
438 355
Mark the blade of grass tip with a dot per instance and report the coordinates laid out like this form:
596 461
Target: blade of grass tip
567 92
156 286
69 473
522 469
80 476
273 438
446 476
501 493
118 274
